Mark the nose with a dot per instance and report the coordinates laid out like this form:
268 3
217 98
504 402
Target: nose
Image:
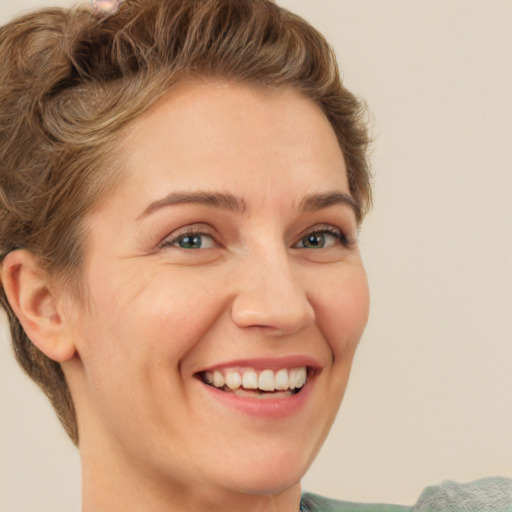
271 295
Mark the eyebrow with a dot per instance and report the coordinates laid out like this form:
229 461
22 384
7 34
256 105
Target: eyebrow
315 202
226 201
220 200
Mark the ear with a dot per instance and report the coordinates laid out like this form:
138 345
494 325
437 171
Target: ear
31 296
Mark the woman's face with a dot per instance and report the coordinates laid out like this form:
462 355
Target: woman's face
226 260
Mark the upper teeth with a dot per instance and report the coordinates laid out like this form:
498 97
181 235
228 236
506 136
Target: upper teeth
266 380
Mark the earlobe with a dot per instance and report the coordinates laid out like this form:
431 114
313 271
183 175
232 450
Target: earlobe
31 296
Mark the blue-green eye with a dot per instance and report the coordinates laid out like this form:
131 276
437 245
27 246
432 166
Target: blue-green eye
193 241
322 239
314 241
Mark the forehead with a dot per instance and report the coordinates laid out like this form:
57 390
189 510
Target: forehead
206 131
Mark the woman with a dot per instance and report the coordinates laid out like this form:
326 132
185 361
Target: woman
182 185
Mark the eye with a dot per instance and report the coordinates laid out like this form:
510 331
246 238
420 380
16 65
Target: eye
322 239
191 240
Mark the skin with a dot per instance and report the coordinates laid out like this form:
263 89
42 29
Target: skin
155 314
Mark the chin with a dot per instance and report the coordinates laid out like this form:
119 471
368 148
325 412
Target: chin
263 485
270 476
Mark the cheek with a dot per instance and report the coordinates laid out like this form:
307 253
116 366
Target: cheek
343 312
156 315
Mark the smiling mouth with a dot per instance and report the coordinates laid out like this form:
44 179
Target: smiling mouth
250 382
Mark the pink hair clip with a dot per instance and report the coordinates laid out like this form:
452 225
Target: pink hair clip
105 7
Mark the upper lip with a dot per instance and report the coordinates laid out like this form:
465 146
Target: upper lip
264 363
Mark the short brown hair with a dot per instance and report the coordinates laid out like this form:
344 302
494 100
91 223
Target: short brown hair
70 82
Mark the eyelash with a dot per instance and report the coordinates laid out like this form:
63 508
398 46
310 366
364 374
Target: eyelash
330 230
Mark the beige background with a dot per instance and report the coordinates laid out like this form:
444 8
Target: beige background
431 392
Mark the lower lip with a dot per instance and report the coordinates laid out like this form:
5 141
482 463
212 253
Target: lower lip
279 407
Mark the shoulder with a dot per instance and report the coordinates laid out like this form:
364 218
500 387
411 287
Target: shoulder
314 503
492 494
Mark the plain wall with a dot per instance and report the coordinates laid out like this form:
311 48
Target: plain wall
430 396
